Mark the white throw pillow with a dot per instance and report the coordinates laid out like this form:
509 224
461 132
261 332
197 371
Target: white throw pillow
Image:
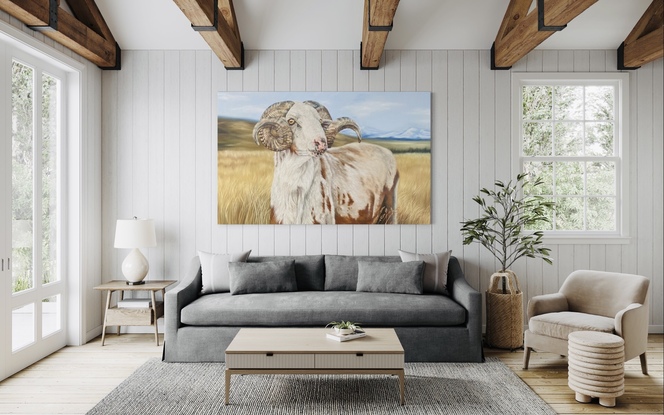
435 269
214 270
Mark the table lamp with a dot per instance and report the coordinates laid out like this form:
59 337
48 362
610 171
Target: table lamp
134 234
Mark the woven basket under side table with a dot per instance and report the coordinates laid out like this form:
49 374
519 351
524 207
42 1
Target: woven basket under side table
504 312
596 366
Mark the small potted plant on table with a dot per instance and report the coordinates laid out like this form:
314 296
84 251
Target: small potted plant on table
344 327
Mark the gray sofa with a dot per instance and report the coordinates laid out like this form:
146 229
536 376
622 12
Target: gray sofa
431 327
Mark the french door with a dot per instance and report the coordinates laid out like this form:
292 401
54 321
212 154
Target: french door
32 288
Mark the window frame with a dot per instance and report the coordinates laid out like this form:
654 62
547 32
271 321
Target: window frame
621 156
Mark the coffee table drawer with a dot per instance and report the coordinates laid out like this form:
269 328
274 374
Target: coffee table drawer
359 361
269 361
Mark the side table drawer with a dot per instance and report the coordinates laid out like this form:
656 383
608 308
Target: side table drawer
360 361
269 361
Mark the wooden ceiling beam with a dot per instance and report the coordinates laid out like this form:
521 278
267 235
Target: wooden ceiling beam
90 37
377 24
216 22
518 35
645 43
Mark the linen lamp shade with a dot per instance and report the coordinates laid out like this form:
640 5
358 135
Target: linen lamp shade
133 234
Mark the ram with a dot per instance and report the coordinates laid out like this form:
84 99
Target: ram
315 183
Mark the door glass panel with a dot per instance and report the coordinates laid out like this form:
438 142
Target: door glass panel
50 117
51 321
22 176
23 326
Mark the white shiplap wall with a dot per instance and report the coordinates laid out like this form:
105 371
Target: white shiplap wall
159 157
89 190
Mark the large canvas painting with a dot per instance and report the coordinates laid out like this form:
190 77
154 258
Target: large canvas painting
324 158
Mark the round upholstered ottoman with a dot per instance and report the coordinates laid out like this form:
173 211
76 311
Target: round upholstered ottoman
596 366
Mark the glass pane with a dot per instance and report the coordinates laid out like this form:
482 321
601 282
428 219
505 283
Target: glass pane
543 225
601 214
601 178
537 138
22 176
23 326
537 102
599 139
569 214
568 139
569 178
599 102
51 321
543 170
50 98
568 102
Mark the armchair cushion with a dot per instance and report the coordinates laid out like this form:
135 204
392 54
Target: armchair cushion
560 325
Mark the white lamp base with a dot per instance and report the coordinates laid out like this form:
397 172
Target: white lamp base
135 267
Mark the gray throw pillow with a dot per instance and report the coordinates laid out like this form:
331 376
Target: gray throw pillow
435 271
214 270
396 278
341 270
262 277
309 270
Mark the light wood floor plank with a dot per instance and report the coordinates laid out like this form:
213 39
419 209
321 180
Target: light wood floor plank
74 379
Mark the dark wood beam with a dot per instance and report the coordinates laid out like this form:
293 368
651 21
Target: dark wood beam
519 35
216 22
89 36
377 23
645 43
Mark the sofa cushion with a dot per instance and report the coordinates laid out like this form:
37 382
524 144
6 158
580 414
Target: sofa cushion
341 270
383 277
435 271
316 308
560 325
214 270
266 277
309 270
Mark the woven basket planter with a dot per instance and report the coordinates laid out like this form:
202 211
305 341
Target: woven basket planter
504 312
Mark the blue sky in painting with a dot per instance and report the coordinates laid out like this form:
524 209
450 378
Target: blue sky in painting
404 115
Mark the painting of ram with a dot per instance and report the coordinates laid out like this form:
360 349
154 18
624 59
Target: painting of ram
324 158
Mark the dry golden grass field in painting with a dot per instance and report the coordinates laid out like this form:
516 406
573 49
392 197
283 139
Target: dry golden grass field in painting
245 177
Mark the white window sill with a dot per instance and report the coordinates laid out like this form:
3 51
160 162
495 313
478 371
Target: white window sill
585 240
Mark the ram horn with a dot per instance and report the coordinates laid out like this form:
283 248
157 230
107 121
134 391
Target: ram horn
272 131
326 121
341 123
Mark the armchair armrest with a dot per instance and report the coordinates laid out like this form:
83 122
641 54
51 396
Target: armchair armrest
177 298
547 303
631 323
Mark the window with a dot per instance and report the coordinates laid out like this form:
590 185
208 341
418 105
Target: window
571 133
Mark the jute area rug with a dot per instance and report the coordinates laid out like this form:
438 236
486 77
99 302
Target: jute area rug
431 388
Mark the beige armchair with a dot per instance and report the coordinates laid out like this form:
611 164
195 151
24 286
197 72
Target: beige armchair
591 300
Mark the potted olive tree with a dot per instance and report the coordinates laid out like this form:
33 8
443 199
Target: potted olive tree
504 230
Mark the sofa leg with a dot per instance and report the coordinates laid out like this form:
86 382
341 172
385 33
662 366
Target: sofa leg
644 363
526 356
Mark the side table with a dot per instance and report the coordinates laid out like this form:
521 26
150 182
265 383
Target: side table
144 316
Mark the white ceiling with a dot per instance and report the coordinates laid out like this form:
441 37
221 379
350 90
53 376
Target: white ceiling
337 24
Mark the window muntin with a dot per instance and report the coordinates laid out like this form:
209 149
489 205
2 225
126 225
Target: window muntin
570 133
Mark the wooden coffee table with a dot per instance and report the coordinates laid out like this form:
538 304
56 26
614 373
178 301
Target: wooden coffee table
308 351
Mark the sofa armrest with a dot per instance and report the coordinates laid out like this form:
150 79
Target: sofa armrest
631 323
547 303
464 294
177 298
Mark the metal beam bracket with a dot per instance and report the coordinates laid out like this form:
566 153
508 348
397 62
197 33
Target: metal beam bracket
52 18
493 60
241 67
215 23
118 60
540 20
621 59
376 28
365 68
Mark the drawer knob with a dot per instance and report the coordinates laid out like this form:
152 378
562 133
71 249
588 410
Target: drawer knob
359 354
269 354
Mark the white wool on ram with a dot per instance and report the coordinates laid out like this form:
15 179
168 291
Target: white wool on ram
313 183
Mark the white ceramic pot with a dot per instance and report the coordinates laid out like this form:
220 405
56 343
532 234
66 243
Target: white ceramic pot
344 331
